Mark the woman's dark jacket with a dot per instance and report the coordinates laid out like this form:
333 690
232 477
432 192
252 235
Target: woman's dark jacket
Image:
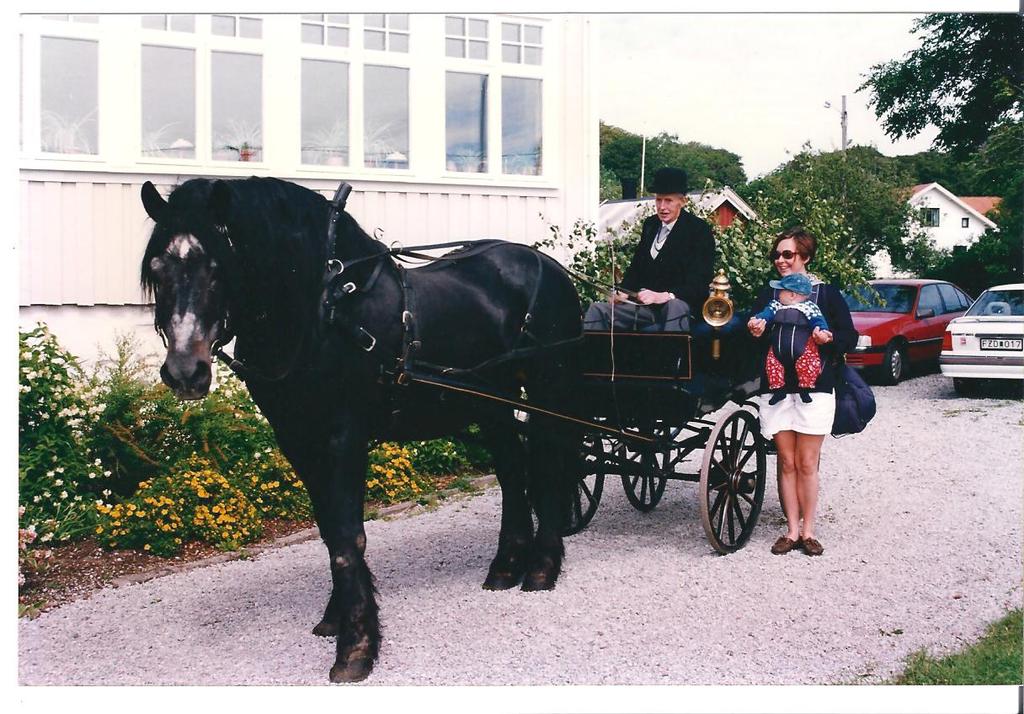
844 335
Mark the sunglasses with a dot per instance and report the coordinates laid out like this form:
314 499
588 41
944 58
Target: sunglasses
786 255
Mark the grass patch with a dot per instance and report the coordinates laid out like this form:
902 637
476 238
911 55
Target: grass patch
995 659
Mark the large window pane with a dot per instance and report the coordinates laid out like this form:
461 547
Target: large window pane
466 122
521 127
168 102
183 23
386 122
237 101
69 96
324 112
222 25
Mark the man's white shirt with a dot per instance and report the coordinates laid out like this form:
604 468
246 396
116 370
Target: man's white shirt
659 241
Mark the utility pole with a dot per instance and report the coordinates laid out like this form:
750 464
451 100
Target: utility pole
843 122
643 159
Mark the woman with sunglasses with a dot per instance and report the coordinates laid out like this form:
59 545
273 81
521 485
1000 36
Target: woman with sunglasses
799 426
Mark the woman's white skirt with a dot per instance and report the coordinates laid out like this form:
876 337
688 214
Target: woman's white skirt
793 414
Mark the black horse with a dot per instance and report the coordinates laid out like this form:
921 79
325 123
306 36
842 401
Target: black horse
245 258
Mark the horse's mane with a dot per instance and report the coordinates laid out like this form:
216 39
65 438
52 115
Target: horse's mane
267 222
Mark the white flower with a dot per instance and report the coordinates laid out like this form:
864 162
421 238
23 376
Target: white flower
60 469
36 499
59 482
63 494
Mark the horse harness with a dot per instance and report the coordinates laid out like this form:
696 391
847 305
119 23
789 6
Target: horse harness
337 289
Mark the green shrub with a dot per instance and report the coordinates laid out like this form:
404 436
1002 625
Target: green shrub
438 457
57 480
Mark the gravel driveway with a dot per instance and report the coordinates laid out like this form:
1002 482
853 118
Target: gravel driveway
920 517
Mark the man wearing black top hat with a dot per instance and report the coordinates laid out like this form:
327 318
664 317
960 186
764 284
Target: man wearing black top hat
670 270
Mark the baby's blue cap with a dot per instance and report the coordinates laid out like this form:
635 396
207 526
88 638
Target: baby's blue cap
796 282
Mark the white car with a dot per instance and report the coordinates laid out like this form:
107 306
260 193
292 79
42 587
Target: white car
988 341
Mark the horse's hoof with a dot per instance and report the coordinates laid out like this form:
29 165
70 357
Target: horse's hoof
538 581
501 581
355 671
326 629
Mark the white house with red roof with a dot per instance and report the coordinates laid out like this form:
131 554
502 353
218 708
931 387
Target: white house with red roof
947 219
952 220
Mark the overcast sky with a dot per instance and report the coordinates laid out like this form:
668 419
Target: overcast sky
754 84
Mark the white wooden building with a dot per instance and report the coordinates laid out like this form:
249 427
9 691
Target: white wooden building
947 220
448 127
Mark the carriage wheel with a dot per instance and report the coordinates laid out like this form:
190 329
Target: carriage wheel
645 491
732 479
589 487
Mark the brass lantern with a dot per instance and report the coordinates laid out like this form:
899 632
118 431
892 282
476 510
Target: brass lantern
718 309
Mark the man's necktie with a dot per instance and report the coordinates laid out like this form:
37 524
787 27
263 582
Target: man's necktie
659 242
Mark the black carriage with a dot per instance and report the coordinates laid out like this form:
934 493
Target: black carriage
654 392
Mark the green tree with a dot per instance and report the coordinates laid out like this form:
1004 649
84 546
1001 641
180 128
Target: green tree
621 156
967 79
866 190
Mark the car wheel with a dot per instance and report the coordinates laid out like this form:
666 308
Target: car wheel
894 364
965 387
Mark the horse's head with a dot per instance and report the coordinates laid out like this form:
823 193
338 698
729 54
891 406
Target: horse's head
182 267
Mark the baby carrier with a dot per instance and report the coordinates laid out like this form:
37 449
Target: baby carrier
794 362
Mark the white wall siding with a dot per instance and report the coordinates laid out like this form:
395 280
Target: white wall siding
81 242
949 232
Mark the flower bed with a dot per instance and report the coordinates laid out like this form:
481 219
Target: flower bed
115 456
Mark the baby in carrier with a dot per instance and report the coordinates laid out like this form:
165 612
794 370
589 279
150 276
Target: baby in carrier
793 359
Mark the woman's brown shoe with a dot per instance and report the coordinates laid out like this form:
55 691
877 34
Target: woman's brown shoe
812 547
783 545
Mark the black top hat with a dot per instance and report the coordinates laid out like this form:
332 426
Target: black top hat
669 180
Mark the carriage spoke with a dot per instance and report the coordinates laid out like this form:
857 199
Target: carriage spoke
738 509
718 475
746 497
721 514
746 458
716 507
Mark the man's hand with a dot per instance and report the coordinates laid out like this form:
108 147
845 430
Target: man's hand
650 297
756 326
821 336
617 297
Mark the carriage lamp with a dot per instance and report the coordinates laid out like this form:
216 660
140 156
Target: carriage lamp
717 309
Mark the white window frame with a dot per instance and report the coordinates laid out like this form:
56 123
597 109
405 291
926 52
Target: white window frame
326 24
121 37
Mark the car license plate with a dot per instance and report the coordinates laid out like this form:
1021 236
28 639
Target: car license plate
1001 343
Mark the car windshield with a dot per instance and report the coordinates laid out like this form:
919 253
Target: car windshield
889 298
998 302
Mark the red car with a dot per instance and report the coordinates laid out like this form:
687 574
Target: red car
903 324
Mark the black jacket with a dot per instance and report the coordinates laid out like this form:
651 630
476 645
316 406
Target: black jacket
840 324
685 265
